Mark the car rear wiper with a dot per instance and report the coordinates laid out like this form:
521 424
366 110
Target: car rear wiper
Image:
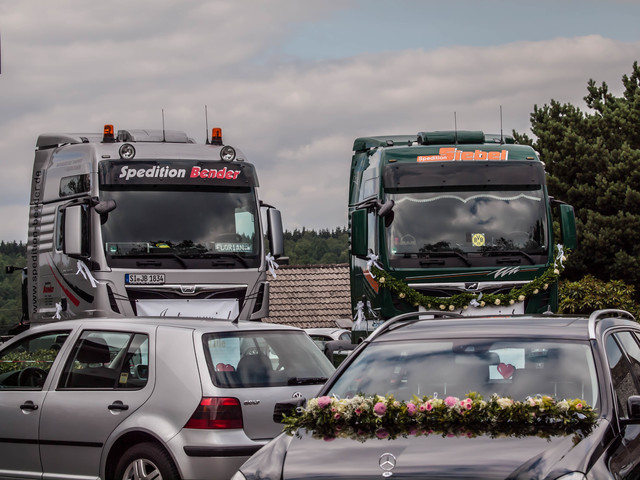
306 380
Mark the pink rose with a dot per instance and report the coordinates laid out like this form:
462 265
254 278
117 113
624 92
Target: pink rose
379 409
336 416
382 433
324 401
411 409
451 402
428 406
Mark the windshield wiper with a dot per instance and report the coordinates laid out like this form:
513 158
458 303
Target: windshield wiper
497 253
306 380
447 253
171 255
233 255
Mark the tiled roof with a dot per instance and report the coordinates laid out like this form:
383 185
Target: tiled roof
308 296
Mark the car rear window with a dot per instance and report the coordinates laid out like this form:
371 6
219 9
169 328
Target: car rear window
264 359
512 367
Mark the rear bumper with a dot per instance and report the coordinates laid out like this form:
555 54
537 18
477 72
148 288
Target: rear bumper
221 451
207 454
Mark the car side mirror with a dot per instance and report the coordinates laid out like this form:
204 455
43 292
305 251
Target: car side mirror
633 407
288 408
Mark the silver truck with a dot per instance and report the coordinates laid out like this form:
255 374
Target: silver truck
146 223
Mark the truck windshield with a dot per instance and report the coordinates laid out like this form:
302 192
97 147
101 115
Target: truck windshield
181 223
469 227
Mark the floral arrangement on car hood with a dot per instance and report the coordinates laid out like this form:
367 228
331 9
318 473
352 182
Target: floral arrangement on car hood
378 416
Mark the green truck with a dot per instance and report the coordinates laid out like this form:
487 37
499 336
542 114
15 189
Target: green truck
452 221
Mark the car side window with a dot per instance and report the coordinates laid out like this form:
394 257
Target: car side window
107 360
26 364
621 374
630 346
346 336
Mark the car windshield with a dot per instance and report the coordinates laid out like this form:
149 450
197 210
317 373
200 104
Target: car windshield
467 223
265 359
518 368
186 222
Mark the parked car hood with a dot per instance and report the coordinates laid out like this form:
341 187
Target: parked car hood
436 456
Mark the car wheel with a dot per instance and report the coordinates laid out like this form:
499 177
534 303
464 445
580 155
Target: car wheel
146 461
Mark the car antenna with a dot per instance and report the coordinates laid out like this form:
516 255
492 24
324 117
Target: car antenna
206 125
455 127
501 136
164 138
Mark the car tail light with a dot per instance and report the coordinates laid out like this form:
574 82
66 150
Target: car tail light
216 413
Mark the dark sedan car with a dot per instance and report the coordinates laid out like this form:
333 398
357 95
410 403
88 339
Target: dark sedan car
520 397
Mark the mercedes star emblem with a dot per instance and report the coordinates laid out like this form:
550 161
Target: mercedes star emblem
387 462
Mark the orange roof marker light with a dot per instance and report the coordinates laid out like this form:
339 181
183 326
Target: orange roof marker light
108 134
216 136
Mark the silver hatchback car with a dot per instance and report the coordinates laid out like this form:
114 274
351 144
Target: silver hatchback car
148 398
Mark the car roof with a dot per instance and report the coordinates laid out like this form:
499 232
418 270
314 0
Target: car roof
200 324
324 330
570 327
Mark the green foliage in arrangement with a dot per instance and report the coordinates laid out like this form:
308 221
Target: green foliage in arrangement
590 293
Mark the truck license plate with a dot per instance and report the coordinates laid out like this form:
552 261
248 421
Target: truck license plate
144 278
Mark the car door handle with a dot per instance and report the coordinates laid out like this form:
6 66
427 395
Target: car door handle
118 405
28 405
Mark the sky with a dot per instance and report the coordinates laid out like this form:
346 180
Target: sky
292 83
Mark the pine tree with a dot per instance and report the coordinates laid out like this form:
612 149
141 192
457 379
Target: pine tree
592 159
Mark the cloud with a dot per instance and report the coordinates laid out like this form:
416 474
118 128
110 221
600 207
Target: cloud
70 67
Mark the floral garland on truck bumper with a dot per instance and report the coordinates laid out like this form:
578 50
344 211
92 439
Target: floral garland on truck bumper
362 417
464 300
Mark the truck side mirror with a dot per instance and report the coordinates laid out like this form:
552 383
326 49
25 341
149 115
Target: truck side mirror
275 233
74 227
105 206
568 226
359 233
386 208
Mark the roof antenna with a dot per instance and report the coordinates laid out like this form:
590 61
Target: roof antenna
164 138
455 126
206 124
501 136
